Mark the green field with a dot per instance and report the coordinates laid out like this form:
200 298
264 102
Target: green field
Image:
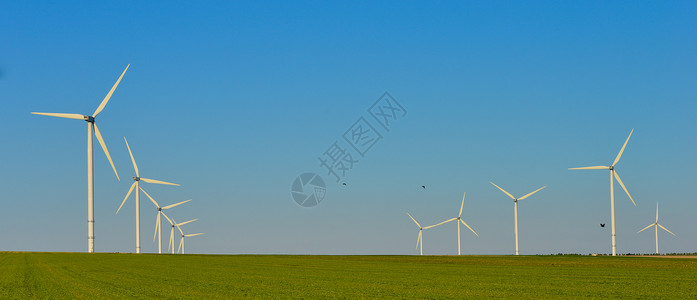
105 276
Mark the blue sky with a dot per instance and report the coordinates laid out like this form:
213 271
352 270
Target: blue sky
234 100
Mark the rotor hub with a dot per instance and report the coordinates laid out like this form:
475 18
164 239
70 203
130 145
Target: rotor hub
135 178
89 119
612 167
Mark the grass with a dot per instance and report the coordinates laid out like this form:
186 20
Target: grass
108 276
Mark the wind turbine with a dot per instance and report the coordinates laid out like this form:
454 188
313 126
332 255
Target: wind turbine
181 242
515 200
171 234
613 176
419 240
655 224
136 184
458 220
158 224
90 161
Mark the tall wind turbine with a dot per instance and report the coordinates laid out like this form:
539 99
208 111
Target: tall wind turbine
158 224
136 184
458 220
515 201
419 240
613 176
90 162
655 224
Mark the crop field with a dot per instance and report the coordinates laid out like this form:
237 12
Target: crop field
107 276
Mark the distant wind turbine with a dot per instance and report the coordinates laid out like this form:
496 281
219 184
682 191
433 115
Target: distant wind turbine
419 239
458 220
90 161
136 184
158 224
174 224
181 241
655 224
515 201
613 176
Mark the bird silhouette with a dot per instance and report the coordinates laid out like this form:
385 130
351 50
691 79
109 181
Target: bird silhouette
423 186
344 183
602 224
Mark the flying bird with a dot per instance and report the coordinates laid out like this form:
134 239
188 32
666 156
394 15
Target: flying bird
423 187
344 183
602 224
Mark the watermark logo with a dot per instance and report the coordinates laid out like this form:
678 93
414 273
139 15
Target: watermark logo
342 155
308 189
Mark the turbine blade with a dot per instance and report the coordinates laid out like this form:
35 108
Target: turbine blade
441 223
622 150
412 218
656 212
617 176
666 229
168 219
475 233
106 99
647 227
179 227
504 191
106 151
171 240
126 198
61 115
151 199
156 181
528 195
591 168
180 245
187 222
462 204
193 234
173 205
157 225
418 239
135 167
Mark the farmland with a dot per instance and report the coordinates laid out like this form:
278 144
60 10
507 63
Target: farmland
106 275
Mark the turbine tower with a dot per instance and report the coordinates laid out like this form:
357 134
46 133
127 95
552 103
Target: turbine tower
419 240
136 184
515 214
91 126
458 220
158 224
613 176
655 224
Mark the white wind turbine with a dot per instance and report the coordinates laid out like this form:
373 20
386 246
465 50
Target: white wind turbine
655 224
158 224
613 176
181 241
458 220
90 161
419 239
136 185
174 224
515 200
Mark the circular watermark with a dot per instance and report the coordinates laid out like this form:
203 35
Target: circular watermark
308 189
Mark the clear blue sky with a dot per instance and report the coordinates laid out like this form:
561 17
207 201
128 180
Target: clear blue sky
234 100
